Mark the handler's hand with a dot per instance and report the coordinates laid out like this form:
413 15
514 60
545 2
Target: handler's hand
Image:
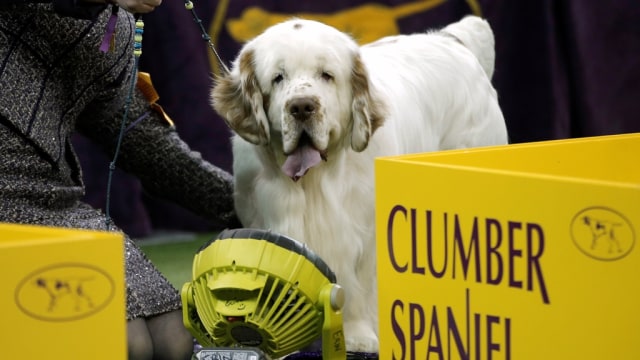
133 6
139 6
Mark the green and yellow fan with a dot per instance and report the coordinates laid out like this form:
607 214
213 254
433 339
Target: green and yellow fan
258 289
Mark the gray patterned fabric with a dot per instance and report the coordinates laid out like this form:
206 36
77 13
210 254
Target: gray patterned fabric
54 81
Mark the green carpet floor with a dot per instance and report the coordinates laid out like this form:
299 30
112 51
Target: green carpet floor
173 254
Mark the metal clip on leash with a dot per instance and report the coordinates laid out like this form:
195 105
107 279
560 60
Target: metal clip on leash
205 36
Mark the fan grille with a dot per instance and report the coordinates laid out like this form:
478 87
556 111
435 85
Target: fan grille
284 319
256 288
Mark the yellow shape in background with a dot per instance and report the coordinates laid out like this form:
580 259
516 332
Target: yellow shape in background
366 23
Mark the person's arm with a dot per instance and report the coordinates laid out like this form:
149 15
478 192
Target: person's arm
166 166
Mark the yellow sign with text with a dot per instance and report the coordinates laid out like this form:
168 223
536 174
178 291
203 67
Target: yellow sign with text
62 294
524 251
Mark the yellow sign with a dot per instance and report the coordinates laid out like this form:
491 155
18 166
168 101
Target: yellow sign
62 294
526 251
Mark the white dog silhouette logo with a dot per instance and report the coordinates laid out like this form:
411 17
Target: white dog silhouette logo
602 233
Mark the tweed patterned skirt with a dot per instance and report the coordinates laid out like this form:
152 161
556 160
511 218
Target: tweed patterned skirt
35 190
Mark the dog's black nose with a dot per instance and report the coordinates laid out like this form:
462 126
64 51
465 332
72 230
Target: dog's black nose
302 108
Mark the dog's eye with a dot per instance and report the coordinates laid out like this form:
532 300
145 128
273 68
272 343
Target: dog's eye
326 76
278 79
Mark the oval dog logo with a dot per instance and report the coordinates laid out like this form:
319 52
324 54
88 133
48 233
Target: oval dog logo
65 292
602 233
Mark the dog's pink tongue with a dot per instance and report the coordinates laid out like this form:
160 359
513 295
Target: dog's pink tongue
300 161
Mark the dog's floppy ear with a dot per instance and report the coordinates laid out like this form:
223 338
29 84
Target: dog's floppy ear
237 97
367 111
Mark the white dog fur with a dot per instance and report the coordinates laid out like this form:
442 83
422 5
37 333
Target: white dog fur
312 109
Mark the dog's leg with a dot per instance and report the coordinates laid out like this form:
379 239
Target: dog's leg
361 309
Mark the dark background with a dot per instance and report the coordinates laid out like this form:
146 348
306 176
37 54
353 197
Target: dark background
564 69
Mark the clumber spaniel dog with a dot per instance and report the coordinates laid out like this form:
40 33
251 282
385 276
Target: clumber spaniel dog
311 110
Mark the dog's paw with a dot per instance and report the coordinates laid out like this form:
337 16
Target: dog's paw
361 338
363 344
